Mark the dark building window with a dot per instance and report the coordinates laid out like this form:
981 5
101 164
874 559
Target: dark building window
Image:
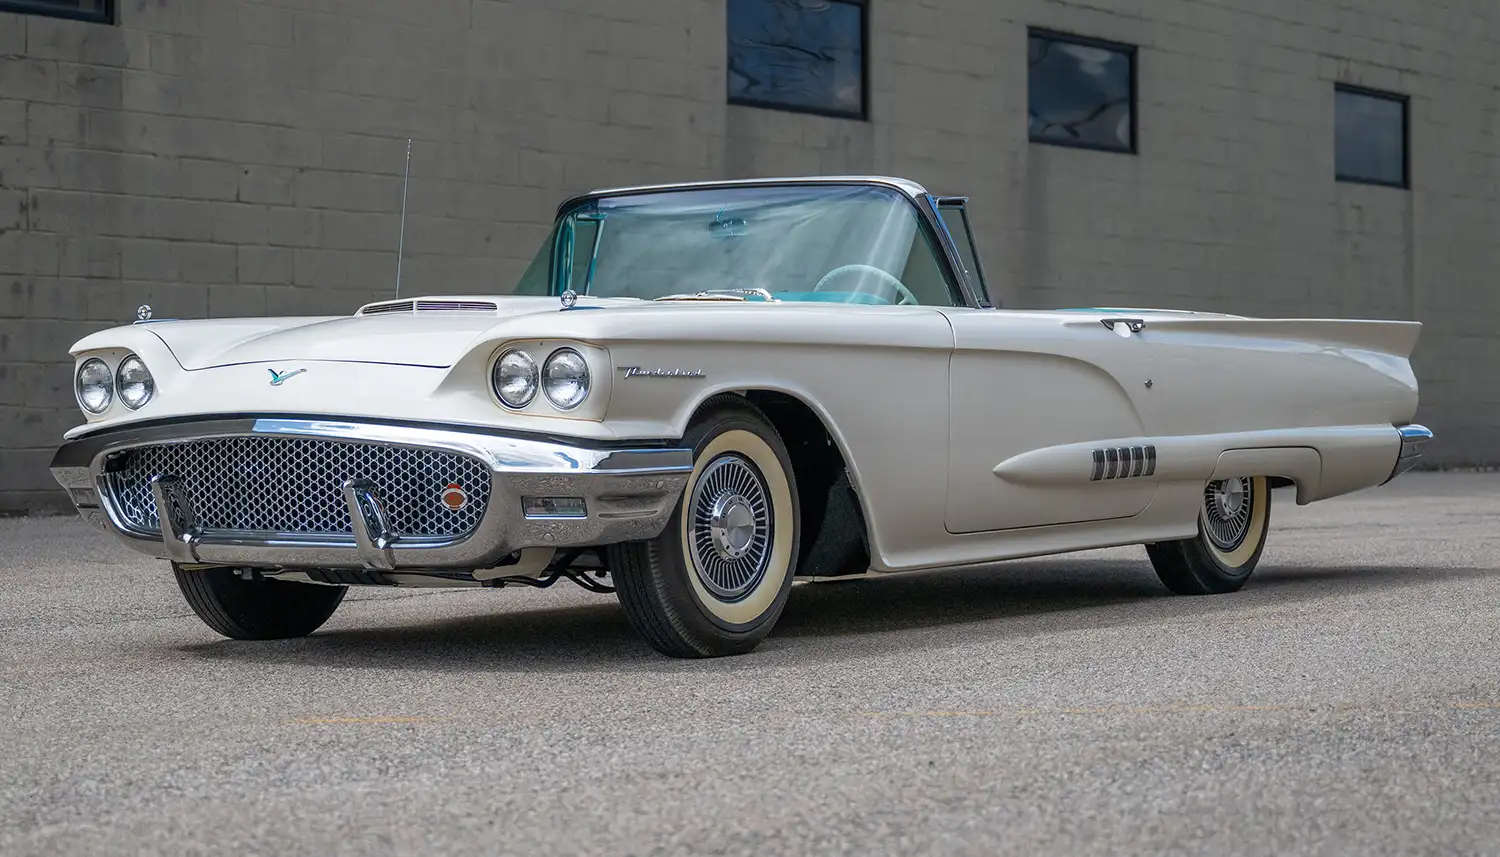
801 55
1370 137
1081 92
87 10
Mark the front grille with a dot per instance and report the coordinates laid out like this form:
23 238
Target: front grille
295 485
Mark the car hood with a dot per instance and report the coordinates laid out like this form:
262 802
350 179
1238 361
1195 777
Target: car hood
431 338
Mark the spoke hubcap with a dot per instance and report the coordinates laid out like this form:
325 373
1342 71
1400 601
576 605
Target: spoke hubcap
730 529
1226 512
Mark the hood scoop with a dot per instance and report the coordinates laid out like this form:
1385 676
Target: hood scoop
415 307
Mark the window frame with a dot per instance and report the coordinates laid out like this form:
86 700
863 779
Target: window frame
962 294
1383 95
862 115
978 284
1132 52
41 7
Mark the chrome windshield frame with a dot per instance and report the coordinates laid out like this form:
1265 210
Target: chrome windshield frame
961 288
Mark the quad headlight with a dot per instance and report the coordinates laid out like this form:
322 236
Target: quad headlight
133 383
94 386
565 379
514 378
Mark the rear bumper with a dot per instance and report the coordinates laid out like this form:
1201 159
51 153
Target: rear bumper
626 494
1414 440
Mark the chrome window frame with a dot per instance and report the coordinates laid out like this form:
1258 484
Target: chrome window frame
109 14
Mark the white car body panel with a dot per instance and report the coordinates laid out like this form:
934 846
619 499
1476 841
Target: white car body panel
986 457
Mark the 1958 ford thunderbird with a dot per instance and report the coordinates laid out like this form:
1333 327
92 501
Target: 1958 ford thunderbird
698 393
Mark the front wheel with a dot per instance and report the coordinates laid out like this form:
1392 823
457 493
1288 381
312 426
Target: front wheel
257 609
717 578
1232 526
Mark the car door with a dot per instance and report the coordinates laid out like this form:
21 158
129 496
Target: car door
1046 413
1045 421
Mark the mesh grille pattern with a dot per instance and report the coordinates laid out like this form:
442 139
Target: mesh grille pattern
295 485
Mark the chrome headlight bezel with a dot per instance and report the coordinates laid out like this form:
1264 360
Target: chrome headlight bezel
107 383
578 374
532 376
128 365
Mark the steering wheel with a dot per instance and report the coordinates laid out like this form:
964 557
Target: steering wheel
886 278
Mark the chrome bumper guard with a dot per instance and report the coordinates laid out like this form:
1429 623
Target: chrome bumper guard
626 494
1414 439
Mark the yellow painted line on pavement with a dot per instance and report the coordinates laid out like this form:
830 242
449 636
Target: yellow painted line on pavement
359 721
1185 709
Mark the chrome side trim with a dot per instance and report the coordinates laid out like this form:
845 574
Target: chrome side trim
1414 439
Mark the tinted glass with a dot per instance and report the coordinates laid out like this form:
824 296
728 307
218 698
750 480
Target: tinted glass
1080 94
798 54
1370 138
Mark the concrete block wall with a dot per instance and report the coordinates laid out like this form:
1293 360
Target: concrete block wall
244 157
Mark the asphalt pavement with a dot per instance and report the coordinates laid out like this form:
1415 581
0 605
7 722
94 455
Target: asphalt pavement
1346 702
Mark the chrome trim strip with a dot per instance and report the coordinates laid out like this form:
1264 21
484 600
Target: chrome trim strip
906 186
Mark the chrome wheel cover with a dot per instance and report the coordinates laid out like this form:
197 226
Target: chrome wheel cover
1226 511
730 529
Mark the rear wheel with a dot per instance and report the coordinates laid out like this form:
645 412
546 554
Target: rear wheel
1232 526
257 609
717 578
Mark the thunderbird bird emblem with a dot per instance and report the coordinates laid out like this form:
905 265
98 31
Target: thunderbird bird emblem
277 379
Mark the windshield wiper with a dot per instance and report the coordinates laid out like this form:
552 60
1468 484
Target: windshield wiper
720 295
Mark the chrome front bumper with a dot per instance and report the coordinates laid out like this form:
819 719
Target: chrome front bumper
627 494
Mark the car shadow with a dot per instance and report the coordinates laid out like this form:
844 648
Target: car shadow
828 621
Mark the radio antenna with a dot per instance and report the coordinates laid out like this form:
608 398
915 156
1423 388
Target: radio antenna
401 244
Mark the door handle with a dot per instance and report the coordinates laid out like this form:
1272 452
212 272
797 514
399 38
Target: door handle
1135 324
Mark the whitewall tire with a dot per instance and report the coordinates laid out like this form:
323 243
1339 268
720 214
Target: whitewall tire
717 578
1233 522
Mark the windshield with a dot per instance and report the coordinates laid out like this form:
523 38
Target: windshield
849 244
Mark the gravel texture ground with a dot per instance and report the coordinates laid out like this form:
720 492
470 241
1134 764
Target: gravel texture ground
1346 702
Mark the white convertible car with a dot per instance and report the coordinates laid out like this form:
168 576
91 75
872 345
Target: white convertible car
698 393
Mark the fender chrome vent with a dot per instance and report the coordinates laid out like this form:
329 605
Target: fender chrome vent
1123 462
428 306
